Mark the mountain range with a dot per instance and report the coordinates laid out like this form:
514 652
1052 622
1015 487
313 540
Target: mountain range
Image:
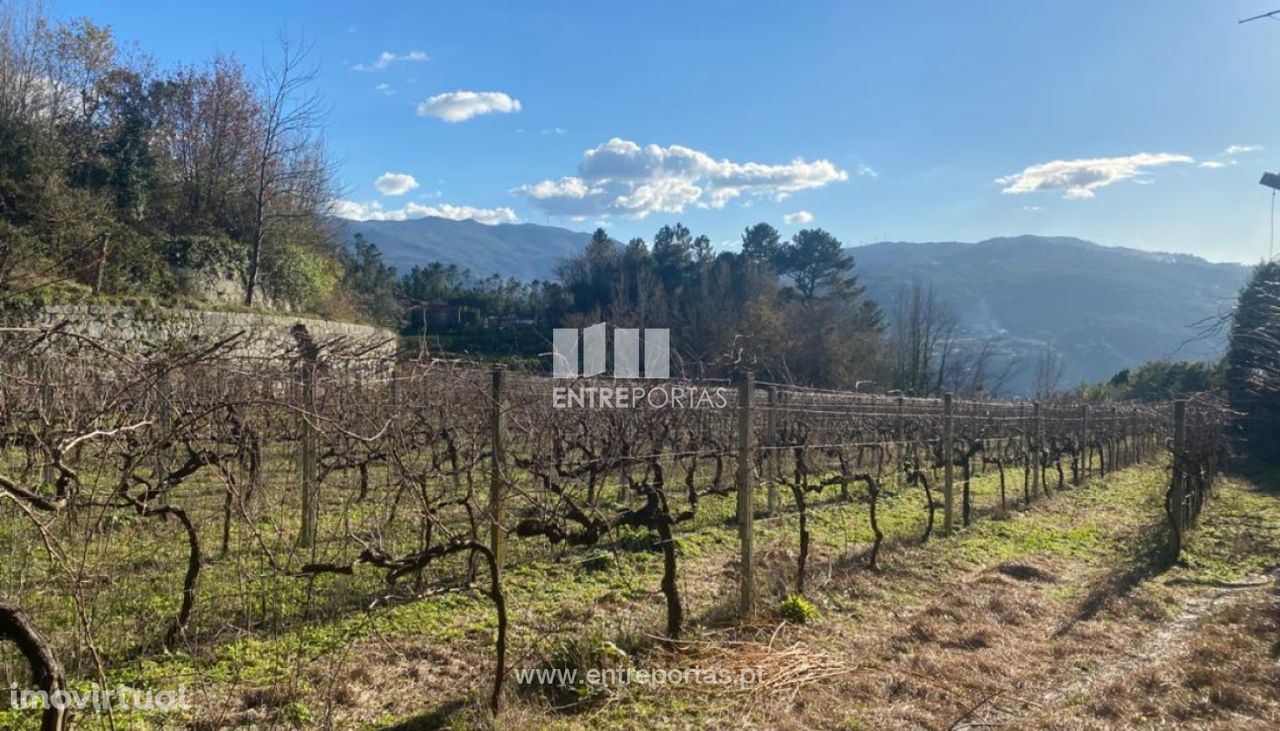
525 251
1103 308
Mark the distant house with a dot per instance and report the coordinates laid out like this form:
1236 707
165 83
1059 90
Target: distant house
442 314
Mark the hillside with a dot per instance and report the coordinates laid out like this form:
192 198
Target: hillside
1125 306
525 251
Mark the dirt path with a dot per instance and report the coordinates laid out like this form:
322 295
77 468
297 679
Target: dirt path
1168 644
1089 632
1164 644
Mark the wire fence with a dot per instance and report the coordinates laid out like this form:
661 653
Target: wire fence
183 497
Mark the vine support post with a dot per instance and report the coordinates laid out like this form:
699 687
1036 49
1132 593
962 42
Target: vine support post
1083 455
1178 492
771 443
394 386
1135 456
746 495
497 508
1037 445
900 447
164 421
310 498
948 463
40 376
1117 439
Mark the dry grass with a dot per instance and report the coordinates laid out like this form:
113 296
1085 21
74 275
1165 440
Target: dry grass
1055 618
1001 627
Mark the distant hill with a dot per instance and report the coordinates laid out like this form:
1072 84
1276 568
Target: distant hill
1104 308
525 251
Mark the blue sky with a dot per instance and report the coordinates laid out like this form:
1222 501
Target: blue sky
902 121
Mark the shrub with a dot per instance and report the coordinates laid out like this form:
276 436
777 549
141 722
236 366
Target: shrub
798 610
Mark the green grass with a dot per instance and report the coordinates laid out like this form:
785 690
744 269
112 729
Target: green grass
1238 536
553 594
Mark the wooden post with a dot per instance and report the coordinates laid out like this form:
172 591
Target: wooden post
771 441
1037 467
395 384
310 498
948 464
164 422
497 458
498 417
40 376
1179 479
1135 456
1116 441
900 448
1082 456
746 495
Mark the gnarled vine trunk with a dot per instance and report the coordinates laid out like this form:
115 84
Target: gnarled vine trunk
46 671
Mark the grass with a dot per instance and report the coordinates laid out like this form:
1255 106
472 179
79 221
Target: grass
906 640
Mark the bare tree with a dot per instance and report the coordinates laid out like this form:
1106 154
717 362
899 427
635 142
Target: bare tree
291 174
924 333
1049 371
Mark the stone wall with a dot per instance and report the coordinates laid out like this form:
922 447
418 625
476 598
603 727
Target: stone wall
256 335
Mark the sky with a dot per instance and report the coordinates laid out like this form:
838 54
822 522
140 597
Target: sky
1145 123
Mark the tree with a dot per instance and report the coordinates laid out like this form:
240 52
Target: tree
815 261
1253 363
922 324
761 243
592 277
1158 380
118 178
672 255
1049 370
372 283
291 175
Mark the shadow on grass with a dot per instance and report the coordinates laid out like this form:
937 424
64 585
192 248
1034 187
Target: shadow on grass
442 717
1260 477
1148 558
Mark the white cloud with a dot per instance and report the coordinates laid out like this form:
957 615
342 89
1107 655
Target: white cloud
1241 149
621 177
386 58
866 171
554 131
1213 164
1080 178
797 217
459 106
373 211
395 183
385 89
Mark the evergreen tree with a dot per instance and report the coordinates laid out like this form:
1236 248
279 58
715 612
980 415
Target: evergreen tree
1253 363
